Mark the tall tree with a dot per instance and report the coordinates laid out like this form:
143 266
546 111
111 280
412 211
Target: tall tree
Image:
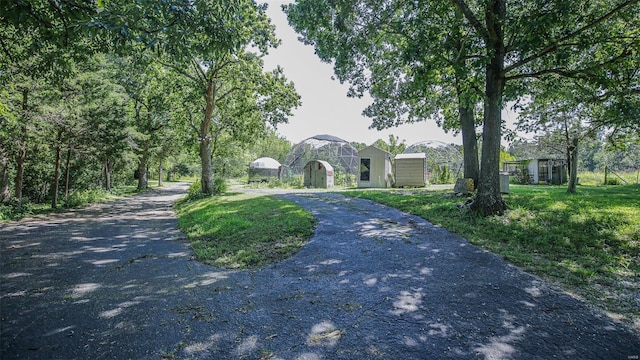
39 40
560 115
103 108
527 41
579 110
59 116
149 89
207 43
271 145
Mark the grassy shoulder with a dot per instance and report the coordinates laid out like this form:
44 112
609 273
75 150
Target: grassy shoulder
588 242
242 230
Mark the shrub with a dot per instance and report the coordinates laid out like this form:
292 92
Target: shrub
11 209
195 191
80 198
219 186
521 175
613 181
441 174
343 179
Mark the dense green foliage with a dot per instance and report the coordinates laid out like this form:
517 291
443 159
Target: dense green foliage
244 230
588 242
95 95
216 48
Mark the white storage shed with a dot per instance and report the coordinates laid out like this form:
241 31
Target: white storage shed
375 168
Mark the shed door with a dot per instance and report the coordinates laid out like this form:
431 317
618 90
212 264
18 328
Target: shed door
365 169
543 171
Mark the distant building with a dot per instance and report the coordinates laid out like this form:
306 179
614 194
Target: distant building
264 169
375 168
538 171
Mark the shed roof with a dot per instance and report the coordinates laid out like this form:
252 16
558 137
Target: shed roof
324 163
265 163
411 156
373 148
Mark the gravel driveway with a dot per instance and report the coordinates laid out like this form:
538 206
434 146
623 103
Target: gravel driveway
116 281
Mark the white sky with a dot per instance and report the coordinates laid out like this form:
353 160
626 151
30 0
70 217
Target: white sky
326 109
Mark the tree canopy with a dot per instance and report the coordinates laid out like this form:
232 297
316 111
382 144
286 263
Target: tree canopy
182 71
501 48
217 47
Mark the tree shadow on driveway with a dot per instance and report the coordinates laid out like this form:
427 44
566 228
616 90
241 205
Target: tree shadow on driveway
118 281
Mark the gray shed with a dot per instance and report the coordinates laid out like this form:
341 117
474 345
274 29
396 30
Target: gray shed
264 169
318 174
411 169
375 168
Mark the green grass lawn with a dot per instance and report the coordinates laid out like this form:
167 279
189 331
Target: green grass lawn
588 242
241 230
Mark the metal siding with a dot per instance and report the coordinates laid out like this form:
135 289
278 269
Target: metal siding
410 172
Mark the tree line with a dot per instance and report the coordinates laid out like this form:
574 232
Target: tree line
91 87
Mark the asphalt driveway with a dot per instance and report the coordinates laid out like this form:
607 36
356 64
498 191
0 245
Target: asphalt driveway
117 281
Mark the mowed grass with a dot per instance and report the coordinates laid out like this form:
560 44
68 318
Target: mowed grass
589 242
241 230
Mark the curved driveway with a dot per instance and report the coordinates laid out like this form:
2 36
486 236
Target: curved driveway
116 281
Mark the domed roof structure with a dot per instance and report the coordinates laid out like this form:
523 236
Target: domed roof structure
265 163
264 169
337 152
439 154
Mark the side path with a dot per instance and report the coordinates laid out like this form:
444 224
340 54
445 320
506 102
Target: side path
91 283
117 282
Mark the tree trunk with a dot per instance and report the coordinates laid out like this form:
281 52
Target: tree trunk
143 178
573 169
5 194
207 167
67 175
160 173
205 142
567 142
489 199
469 143
107 176
466 117
22 152
56 173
